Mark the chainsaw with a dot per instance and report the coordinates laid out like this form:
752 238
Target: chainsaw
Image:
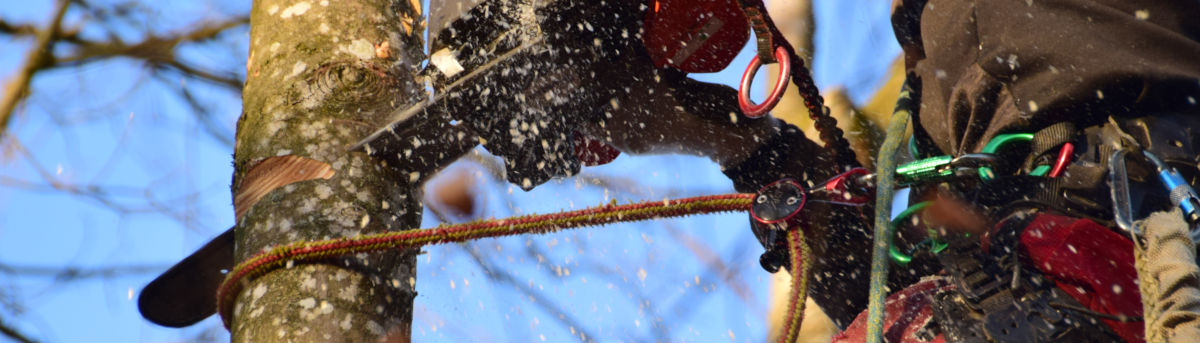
516 76
522 74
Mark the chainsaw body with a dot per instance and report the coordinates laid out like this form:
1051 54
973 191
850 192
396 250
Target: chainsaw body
521 75
518 76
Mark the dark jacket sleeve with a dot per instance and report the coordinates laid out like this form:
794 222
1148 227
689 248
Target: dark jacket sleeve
995 66
787 155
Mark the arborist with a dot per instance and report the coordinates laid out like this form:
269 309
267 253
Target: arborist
1026 101
1029 118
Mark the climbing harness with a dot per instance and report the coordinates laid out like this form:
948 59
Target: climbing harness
1020 305
998 299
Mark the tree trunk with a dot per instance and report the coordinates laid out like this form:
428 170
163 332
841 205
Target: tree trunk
321 75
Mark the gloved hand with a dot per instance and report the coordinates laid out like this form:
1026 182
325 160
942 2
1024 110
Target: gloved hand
662 111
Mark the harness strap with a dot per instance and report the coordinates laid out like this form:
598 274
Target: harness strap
999 299
1044 142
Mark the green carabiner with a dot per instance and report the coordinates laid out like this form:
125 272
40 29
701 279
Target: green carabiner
986 173
899 257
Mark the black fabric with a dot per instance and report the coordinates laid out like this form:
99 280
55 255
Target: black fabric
1045 145
787 155
838 283
997 66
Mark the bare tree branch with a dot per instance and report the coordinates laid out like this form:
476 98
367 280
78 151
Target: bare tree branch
154 49
39 57
731 276
159 51
14 334
66 274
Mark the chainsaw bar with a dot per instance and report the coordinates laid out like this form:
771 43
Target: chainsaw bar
518 77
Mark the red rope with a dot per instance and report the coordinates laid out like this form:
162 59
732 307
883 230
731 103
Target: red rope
278 257
261 264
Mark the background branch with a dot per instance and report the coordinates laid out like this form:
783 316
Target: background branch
39 57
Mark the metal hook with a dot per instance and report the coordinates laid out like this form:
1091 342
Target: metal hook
1182 194
1119 191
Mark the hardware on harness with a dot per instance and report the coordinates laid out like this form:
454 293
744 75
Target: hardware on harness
1178 191
779 207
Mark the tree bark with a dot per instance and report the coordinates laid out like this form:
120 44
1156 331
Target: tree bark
321 75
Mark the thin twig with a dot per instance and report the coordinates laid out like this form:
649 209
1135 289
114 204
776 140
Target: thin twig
499 275
77 273
502 276
16 335
155 49
39 57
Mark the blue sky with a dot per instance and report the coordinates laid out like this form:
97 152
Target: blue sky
105 124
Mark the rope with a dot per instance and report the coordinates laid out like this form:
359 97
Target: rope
826 125
799 253
768 38
883 211
284 256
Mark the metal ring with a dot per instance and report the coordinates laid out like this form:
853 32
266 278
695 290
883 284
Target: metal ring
749 108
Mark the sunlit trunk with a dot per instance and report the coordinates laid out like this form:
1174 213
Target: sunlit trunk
320 76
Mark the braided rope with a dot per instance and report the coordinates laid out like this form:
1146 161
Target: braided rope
799 254
285 255
768 37
884 178
826 124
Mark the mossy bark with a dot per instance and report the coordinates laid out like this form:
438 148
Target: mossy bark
321 75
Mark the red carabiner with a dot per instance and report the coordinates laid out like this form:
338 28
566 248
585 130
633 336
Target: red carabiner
749 108
1064 156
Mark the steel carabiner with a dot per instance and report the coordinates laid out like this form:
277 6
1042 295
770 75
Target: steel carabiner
1181 194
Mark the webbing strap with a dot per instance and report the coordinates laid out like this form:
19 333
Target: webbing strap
1046 140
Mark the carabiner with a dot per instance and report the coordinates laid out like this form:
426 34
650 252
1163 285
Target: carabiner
749 108
901 258
1119 192
985 173
1182 194
855 187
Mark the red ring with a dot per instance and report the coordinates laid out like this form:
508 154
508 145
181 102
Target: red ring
1064 155
749 108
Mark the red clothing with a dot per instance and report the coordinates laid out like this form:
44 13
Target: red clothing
1091 263
905 312
1088 261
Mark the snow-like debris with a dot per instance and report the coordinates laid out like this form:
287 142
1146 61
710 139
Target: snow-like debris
307 303
295 10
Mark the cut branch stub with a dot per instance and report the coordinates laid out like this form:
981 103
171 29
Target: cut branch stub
275 172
